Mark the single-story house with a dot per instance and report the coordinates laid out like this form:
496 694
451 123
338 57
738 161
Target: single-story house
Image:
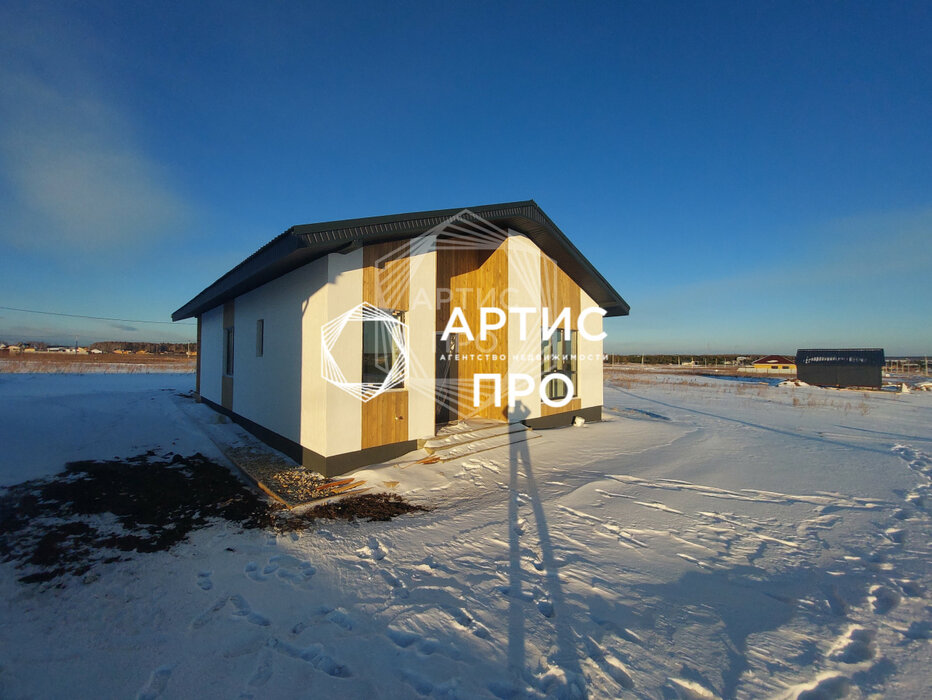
342 343
842 367
775 363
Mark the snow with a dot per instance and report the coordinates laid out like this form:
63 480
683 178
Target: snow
709 538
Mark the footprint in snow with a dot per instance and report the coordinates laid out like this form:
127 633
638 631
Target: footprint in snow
921 629
398 586
374 550
461 617
895 535
243 609
402 638
262 673
859 647
911 588
690 690
340 618
208 614
608 663
251 571
156 684
836 603
884 599
313 654
829 688
203 580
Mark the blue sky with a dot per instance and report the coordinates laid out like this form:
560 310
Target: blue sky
752 177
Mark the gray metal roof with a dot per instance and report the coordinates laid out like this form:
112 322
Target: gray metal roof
873 357
300 245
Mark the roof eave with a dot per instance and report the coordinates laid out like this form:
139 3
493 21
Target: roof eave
302 244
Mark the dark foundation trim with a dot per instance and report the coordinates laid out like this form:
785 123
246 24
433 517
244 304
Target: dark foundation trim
592 414
342 463
328 466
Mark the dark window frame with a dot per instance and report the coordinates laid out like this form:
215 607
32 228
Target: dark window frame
373 374
260 337
559 355
228 350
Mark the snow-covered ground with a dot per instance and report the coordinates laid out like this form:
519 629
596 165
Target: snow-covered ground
709 538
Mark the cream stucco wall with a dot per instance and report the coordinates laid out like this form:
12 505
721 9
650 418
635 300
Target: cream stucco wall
313 387
590 357
331 415
421 320
524 292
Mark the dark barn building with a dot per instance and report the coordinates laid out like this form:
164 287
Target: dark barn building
840 367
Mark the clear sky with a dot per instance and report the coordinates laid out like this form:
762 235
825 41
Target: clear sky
752 177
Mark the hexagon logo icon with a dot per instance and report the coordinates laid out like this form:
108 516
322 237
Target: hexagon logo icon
388 348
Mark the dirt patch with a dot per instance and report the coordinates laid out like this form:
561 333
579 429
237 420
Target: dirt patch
100 511
374 506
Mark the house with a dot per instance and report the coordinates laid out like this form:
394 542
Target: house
777 364
343 343
841 367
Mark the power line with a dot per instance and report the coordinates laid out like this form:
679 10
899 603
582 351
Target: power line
93 318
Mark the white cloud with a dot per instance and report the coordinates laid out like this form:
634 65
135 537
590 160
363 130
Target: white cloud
71 174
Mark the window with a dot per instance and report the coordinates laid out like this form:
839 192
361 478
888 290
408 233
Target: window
228 351
558 356
380 353
260 337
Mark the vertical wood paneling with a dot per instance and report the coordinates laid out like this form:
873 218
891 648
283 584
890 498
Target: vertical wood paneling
386 277
558 291
385 419
386 283
573 405
475 278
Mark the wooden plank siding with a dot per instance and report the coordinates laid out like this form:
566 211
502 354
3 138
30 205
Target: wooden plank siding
471 279
386 282
558 291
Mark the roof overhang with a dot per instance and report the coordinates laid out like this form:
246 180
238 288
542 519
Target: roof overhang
300 245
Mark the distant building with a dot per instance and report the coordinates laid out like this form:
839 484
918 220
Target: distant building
841 367
777 364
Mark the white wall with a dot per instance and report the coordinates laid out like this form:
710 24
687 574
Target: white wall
211 352
524 291
267 389
590 370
